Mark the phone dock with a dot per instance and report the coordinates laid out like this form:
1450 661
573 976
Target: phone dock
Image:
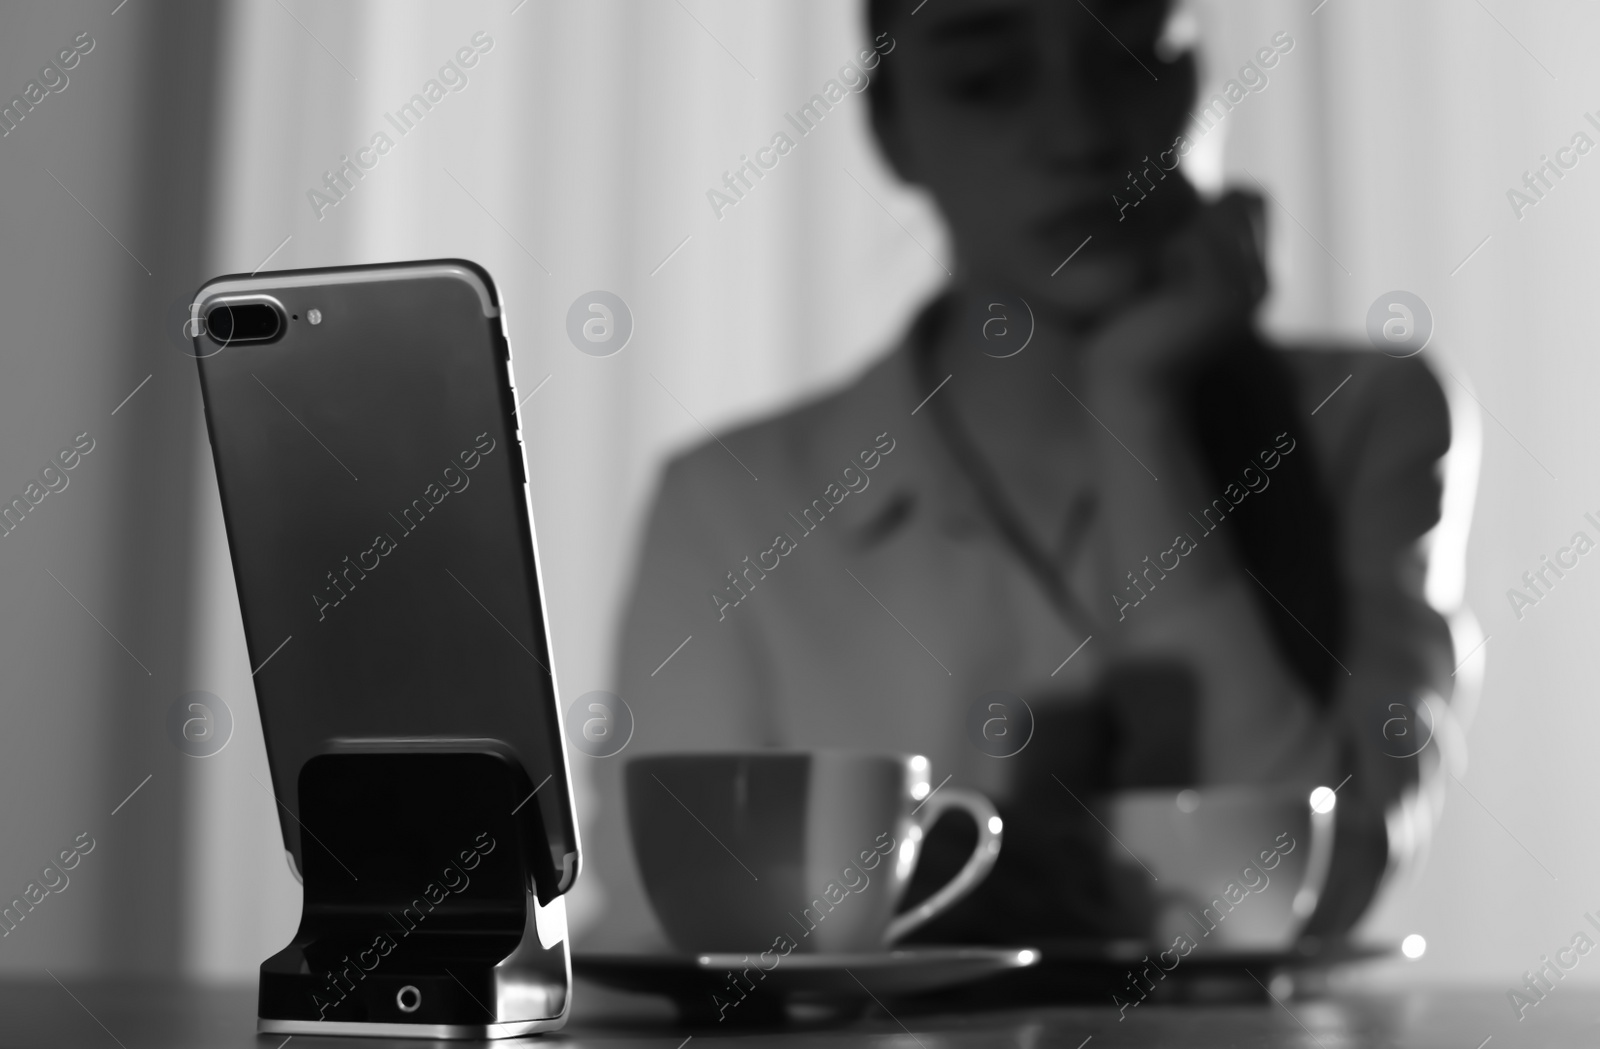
422 914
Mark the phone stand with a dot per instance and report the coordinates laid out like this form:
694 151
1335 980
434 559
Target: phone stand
422 916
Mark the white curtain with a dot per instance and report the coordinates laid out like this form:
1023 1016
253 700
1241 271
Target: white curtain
579 154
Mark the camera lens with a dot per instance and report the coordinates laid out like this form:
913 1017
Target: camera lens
219 322
244 322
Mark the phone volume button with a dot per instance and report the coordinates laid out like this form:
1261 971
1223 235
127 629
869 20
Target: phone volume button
522 469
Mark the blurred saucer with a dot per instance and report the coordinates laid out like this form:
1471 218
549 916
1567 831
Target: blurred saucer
1307 952
692 980
1093 971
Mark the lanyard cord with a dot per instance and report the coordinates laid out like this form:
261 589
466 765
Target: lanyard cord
1046 572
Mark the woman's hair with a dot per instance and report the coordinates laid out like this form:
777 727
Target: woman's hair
1286 535
1237 407
880 90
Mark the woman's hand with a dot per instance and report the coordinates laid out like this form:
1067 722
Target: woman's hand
1212 275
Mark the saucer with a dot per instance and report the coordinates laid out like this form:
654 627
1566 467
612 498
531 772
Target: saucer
1072 971
691 980
1307 952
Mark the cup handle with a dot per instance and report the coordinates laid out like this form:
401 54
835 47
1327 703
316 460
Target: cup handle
977 866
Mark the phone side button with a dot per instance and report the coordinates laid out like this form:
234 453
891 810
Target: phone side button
522 470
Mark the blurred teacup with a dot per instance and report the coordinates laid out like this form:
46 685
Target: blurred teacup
792 850
1237 866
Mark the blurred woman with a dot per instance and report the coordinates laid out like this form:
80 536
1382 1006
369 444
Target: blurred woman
1083 479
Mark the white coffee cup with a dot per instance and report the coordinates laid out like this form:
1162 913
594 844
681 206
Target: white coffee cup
1240 867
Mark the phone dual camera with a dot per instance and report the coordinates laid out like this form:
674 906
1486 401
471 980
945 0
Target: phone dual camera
257 319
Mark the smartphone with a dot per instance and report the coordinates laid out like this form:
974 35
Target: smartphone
364 425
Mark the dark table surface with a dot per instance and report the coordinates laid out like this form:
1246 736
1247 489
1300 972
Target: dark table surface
82 1015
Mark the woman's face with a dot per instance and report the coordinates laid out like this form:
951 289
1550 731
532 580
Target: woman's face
1024 119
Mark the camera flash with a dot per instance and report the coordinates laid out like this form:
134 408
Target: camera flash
314 316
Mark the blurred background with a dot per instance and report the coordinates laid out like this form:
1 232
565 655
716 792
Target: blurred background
187 140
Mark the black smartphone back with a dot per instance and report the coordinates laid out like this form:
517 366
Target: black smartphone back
370 464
